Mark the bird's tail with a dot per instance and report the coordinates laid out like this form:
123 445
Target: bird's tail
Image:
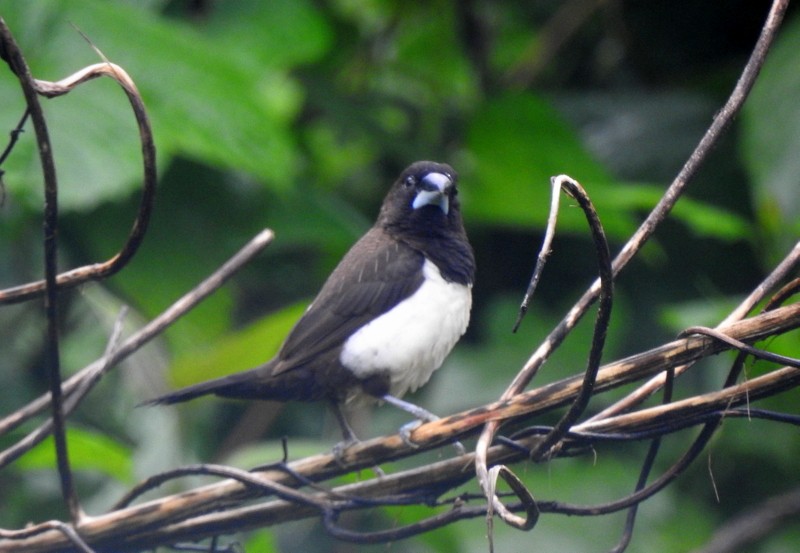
243 385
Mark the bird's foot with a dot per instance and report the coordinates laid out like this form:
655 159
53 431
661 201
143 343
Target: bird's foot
405 433
422 416
459 447
340 448
338 452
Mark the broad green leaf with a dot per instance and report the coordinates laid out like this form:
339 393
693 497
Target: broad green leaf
282 33
239 350
517 143
704 219
88 451
205 99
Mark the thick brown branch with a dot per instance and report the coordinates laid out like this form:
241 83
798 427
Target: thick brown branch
217 508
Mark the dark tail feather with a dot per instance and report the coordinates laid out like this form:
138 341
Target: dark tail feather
187 393
252 384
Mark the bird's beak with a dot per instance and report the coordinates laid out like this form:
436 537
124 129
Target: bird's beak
433 191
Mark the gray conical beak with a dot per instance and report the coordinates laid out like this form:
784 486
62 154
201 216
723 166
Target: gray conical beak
433 191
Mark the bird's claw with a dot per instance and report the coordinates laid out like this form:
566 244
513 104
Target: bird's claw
339 449
460 449
405 433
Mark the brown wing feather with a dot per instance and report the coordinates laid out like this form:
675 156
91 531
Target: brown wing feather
374 276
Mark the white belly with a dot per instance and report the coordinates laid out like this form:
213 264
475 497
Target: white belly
413 339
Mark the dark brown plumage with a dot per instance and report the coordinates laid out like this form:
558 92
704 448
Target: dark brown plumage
419 222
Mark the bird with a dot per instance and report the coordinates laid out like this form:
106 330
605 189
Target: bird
387 316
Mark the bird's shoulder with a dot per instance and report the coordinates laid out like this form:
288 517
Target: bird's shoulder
376 274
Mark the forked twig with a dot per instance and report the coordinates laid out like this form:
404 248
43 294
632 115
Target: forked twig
82 382
487 479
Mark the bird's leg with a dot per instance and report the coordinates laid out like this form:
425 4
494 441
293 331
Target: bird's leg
348 435
422 415
349 438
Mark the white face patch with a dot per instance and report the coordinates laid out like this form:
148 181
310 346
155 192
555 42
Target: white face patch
413 339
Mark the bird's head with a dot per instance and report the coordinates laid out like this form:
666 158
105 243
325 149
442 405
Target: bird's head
426 194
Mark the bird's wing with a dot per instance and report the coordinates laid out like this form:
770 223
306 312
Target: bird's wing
374 276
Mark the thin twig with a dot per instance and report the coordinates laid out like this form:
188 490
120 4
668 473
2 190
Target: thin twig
264 486
679 414
487 479
544 252
81 383
99 271
720 123
781 271
52 359
644 473
68 531
15 132
786 292
574 189
741 346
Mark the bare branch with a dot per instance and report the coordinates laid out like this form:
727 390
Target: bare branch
83 381
654 219
52 358
781 271
222 507
99 271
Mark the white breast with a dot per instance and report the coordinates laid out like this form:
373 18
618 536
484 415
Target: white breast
413 339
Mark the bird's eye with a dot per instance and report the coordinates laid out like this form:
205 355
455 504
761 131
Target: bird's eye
410 181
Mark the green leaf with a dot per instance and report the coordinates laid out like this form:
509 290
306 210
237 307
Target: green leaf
518 142
430 63
213 100
704 219
239 350
88 451
282 34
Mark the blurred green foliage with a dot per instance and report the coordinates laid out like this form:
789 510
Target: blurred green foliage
297 115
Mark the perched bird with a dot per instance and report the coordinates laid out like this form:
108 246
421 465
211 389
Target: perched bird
387 316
